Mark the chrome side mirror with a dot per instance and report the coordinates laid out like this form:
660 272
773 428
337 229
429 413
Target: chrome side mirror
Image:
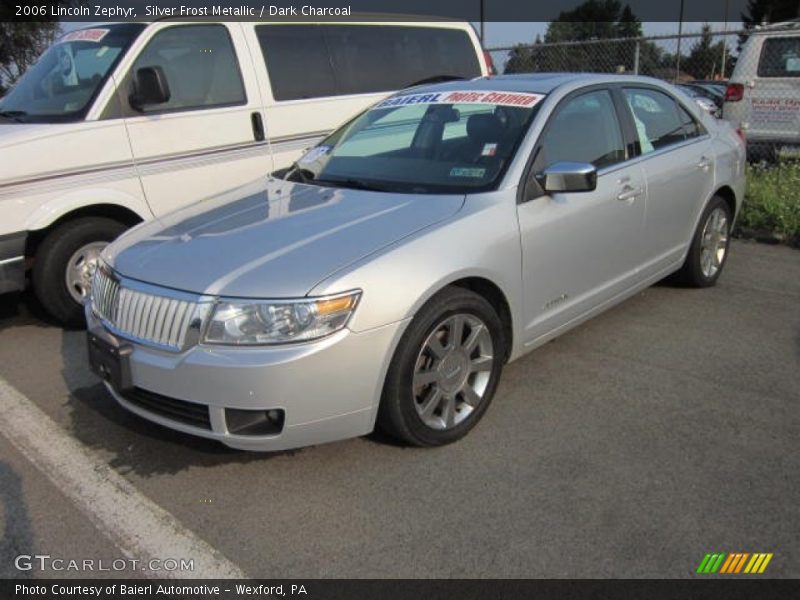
568 177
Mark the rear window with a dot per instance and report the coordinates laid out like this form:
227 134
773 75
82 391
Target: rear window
312 61
780 57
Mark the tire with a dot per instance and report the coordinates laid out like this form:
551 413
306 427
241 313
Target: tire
402 411
52 259
695 271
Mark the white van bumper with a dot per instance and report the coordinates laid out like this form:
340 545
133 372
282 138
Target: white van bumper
12 262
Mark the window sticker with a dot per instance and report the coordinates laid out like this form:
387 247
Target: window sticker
792 65
474 172
315 153
489 149
85 35
521 99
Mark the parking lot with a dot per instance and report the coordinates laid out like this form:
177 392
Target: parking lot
662 430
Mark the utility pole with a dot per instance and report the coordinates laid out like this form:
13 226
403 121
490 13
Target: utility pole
724 42
680 32
483 43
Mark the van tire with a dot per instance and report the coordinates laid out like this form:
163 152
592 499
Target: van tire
49 276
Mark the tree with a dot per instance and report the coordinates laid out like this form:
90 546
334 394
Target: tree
705 57
21 43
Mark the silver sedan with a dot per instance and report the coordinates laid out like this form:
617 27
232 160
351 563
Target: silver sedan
391 272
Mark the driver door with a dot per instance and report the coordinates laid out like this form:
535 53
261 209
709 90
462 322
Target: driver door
580 249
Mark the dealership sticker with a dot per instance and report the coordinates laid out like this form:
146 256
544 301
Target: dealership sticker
85 35
521 99
489 149
475 172
315 153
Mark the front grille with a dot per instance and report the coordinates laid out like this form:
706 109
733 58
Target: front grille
189 413
148 317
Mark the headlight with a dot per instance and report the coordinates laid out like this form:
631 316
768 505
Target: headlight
261 322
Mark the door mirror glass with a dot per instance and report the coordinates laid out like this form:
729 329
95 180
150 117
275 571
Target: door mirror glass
568 177
150 87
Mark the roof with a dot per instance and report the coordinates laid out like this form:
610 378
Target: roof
539 83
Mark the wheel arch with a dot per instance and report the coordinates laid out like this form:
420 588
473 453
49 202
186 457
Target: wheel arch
726 193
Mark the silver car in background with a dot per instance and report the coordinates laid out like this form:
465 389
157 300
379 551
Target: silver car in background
398 265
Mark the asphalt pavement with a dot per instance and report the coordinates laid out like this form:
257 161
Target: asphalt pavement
662 430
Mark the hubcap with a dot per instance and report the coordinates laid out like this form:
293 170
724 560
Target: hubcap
714 242
80 270
452 371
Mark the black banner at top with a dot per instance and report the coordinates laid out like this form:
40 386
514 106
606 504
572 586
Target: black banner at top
367 10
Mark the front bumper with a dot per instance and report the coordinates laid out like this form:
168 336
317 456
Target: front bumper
12 262
328 390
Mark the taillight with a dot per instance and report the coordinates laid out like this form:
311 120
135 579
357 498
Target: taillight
740 133
487 59
734 92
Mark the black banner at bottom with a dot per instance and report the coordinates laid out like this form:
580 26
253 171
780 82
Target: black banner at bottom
398 589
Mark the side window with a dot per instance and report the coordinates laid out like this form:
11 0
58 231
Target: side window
585 129
200 65
780 57
313 61
298 61
660 120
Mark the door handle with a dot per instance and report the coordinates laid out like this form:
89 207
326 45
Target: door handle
258 126
629 192
704 163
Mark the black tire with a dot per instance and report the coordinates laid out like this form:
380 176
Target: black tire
398 414
50 265
691 273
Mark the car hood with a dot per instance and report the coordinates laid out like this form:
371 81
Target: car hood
272 239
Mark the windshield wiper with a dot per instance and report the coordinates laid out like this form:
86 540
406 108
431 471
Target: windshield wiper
14 115
355 184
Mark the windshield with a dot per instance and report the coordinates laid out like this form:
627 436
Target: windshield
441 142
67 77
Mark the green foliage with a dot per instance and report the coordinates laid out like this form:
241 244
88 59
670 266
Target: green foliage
21 43
705 57
772 200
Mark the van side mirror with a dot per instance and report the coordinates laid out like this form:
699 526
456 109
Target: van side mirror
568 177
149 87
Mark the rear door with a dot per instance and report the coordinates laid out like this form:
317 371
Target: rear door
775 93
676 155
581 249
205 139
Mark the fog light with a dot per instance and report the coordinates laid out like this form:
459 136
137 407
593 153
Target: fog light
254 422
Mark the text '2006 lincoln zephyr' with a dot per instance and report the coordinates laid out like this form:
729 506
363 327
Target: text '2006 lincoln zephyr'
390 273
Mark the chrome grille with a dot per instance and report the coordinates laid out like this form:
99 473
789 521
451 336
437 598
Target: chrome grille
153 318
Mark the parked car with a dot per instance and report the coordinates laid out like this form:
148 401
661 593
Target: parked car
763 96
122 122
400 263
713 91
703 99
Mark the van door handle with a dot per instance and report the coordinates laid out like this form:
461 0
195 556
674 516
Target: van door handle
258 126
704 163
629 192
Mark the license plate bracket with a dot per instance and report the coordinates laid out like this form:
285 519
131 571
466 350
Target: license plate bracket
110 361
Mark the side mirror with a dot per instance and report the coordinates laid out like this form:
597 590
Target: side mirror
568 177
149 87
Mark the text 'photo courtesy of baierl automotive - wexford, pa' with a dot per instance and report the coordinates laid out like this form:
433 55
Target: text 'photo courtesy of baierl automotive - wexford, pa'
392 298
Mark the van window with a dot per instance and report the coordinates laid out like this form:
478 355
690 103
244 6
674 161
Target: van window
312 61
780 57
659 119
200 65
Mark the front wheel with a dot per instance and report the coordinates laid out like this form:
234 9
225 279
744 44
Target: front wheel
445 371
709 248
65 263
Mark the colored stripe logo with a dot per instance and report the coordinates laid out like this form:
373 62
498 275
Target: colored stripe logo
735 563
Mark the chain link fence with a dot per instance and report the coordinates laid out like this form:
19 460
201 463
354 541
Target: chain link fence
763 100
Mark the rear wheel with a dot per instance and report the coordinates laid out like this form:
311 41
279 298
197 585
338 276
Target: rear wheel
65 264
709 248
445 371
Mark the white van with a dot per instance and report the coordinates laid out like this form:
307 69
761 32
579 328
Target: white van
763 95
118 123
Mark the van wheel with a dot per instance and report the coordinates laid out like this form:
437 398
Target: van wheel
445 370
709 248
65 263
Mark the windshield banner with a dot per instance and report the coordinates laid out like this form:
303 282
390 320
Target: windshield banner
521 99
